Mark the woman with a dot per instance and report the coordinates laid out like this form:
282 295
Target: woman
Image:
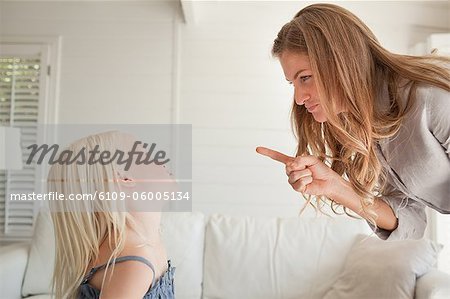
107 248
373 127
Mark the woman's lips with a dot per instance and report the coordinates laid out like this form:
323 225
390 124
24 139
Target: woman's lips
312 108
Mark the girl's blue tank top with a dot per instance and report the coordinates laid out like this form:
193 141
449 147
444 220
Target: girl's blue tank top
163 288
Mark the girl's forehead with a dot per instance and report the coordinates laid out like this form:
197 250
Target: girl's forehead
124 140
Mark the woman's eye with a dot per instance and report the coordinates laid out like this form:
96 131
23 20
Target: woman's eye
304 78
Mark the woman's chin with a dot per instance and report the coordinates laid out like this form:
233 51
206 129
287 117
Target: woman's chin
319 117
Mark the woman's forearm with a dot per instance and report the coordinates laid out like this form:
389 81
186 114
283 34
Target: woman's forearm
346 196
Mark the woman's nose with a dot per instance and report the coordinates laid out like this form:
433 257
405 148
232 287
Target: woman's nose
300 97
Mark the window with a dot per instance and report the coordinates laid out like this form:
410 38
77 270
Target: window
443 237
24 100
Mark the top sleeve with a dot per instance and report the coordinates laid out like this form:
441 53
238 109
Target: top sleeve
411 215
438 111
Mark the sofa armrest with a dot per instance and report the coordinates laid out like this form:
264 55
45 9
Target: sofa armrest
433 285
13 262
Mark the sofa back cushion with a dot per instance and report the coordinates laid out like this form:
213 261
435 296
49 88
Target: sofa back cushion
39 270
384 269
183 234
275 258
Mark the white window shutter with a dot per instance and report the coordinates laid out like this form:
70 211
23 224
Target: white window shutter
22 92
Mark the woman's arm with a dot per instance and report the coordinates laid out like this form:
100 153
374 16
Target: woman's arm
343 193
398 217
438 109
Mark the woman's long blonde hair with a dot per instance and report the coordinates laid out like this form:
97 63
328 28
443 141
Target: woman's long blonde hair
82 226
350 68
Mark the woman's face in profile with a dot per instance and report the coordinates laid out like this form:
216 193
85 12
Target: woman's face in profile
297 70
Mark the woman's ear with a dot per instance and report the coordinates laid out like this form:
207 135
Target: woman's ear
125 179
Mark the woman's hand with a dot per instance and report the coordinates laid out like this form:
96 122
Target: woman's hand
307 174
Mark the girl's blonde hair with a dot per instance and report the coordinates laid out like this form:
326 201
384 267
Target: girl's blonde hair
81 226
350 68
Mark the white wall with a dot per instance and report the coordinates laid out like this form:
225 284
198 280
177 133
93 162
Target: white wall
116 57
136 62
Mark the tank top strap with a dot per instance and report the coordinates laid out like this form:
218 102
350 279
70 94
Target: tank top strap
119 260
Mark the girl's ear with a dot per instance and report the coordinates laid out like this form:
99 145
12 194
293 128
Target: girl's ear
125 179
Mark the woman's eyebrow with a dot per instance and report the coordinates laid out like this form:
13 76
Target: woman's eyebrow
296 74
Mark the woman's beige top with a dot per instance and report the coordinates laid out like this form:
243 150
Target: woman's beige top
418 162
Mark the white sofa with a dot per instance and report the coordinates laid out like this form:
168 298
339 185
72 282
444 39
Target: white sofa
225 257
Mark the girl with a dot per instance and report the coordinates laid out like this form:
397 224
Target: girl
107 249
